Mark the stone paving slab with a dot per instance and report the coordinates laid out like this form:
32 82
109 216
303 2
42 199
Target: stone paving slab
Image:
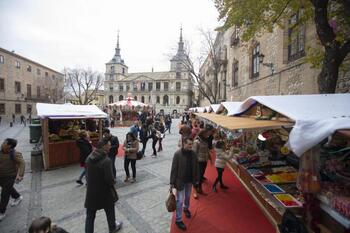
55 194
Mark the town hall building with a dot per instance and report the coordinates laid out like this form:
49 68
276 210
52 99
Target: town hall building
168 90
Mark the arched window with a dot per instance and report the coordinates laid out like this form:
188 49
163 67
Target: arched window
135 97
177 99
111 99
142 99
165 100
158 99
121 97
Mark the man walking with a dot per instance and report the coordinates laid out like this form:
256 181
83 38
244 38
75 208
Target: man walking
12 168
184 174
100 193
112 153
23 120
168 122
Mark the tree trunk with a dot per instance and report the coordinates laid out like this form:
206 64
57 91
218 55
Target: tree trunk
327 79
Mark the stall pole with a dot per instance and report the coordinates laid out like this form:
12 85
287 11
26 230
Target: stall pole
100 128
45 133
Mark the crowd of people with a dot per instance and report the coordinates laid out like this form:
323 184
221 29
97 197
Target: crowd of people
198 144
196 147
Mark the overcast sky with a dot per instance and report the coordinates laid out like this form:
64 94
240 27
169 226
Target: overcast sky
70 33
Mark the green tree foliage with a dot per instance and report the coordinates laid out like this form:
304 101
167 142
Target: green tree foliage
331 18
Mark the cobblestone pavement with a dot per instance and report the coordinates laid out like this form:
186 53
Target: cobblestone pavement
55 194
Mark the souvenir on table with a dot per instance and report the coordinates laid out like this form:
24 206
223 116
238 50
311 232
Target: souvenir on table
255 172
283 169
288 200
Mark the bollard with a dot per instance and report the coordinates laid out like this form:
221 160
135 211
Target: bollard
36 161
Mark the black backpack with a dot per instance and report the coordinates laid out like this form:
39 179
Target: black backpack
291 224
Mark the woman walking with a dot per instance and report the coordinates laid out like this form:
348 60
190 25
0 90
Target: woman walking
131 147
201 148
85 148
220 162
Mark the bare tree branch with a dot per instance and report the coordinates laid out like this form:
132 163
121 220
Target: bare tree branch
83 84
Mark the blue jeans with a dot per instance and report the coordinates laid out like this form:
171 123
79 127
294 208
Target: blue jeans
90 219
183 199
82 174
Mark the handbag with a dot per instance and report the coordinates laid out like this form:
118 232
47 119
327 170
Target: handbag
139 155
170 202
114 193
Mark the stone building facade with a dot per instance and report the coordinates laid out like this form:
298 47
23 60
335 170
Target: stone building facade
272 64
168 90
24 82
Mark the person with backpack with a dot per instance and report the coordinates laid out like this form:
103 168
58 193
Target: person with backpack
113 150
144 136
12 168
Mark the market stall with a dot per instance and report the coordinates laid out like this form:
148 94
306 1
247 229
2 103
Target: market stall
126 111
280 143
61 124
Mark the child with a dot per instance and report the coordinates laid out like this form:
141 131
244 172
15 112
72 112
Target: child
221 158
43 225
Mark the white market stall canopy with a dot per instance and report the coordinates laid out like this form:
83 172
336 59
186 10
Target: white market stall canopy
231 107
316 116
200 109
69 111
128 102
215 107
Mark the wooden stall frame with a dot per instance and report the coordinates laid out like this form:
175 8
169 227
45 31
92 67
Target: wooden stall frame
45 138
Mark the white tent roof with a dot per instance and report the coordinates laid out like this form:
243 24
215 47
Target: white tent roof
67 111
128 102
200 109
316 116
215 107
207 108
231 107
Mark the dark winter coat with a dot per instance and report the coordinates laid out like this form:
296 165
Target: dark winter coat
85 148
178 166
144 133
100 181
114 146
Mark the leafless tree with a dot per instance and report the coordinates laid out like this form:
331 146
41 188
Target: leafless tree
206 81
54 89
83 84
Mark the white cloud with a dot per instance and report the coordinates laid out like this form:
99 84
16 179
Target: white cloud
84 32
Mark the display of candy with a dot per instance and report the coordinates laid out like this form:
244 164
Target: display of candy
288 200
272 188
342 205
284 177
283 169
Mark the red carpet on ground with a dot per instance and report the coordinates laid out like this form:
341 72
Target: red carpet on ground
227 211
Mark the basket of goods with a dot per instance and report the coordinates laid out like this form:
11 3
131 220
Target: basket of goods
73 133
54 138
93 134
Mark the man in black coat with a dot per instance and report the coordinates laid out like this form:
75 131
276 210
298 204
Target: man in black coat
184 174
100 188
112 153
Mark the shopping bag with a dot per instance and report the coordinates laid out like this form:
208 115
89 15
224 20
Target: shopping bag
114 193
170 202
